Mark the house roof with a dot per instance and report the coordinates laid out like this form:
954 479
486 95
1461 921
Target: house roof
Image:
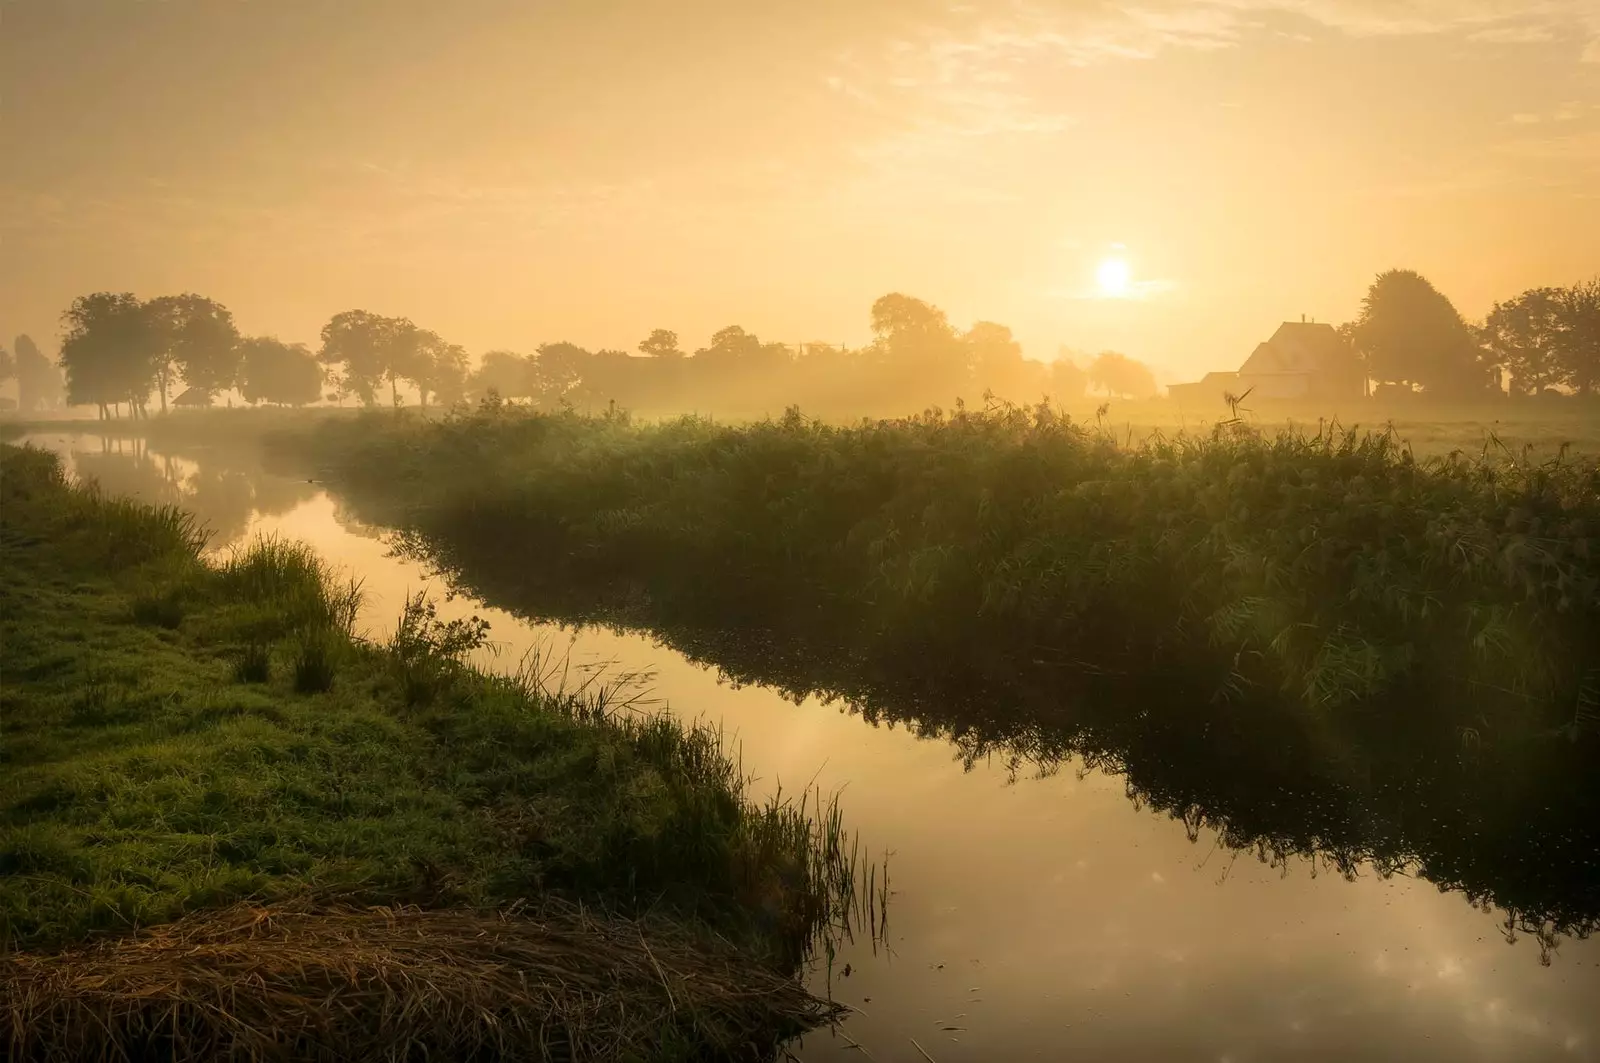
1298 347
193 397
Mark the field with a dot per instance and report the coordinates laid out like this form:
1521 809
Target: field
183 738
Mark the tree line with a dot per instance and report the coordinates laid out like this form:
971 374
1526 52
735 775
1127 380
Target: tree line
1412 338
119 350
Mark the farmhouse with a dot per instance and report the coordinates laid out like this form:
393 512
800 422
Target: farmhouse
1302 360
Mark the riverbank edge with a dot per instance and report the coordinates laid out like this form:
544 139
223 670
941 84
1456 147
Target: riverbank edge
185 743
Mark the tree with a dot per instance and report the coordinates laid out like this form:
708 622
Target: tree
198 340
1578 336
1412 335
109 351
661 343
996 360
1068 381
506 373
8 365
1122 376
558 370
440 368
915 345
39 383
1522 334
355 341
283 373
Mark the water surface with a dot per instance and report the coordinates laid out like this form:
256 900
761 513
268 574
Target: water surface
1032 918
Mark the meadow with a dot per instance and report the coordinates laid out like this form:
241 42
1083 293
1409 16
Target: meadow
210 781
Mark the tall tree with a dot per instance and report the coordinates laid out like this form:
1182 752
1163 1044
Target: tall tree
1120 375
39 383
8 365
661 343
558 370
198 341
1412 335
273 371
1578 336
996 359
440 368
917 347
1068 380
506 373
1523 336
368 349
109 350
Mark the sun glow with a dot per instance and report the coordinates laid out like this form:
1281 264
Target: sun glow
1114 277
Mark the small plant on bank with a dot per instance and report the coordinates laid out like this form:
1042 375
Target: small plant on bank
254 664
428 652
316 657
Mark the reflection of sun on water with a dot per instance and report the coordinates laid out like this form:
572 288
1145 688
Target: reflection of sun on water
1114 277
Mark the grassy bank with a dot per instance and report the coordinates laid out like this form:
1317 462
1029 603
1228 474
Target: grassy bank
179 738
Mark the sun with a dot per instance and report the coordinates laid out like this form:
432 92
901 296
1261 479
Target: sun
1114 277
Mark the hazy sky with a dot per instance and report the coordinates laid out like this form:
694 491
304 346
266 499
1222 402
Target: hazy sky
512 172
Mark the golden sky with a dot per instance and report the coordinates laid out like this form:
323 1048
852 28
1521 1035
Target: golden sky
512 172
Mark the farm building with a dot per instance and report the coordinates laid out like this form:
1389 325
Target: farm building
1302 360
193 397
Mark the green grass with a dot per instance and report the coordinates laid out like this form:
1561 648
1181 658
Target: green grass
180 736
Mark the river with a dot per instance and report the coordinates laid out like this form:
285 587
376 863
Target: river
1033 917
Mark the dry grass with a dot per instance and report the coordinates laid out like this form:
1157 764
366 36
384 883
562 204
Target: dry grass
257 983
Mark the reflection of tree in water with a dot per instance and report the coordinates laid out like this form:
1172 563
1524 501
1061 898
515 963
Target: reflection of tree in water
345 516
129 471
277 495
1514 828
222 497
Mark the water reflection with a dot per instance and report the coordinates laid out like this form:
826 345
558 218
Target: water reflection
1045 909
226 495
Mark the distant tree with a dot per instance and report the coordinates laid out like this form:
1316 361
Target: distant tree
558 370
661 343
917 349
109 351
1523 336
356 342
440 369
1068 380
8 365
1119 375
506 373
39 383
198 341
997 362
727 348
1412 335
283 373
1578 336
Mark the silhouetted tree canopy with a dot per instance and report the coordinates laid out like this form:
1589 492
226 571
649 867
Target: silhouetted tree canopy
110 351
1412 335
283 373
198 341
39 382
1117 374
1522 334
